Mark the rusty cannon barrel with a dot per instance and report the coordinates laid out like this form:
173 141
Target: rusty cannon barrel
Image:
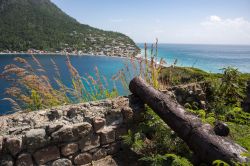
201 138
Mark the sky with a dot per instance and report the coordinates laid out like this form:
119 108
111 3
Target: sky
171 21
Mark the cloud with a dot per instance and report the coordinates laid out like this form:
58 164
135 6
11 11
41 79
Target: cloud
229 30
214 18
216 21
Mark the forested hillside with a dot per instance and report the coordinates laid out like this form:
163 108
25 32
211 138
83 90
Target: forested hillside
39 24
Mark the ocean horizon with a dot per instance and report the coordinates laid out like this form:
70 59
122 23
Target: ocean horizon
208 57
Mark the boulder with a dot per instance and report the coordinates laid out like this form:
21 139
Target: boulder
62 162
83 158
221 129
53 127
69 149
24 159
98 123
100 153
90 142
6 160
35 138
107 135
113 148
53 115
13 145
72 132
127 113
47 154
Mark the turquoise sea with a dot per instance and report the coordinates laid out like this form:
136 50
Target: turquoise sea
207 57
210 58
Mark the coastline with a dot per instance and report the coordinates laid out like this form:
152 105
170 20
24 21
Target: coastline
71 54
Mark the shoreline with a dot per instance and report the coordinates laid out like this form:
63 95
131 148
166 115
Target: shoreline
71 54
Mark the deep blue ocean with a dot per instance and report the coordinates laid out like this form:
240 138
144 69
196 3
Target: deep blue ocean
210 58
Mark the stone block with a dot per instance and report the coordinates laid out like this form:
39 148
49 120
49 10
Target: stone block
107 135
127 113
82 129
98 123
24 159
6 160
13 145
53 127
62 162
107 161
114 117
99 154
69 149
89 142
83 158
72 132
47 154
35 138
53 115
113 148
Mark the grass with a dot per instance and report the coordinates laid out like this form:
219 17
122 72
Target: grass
31 89
240 134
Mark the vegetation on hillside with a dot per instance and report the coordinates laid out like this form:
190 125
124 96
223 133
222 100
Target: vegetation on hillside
39 24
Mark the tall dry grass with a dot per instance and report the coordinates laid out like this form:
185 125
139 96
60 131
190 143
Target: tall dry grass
31 89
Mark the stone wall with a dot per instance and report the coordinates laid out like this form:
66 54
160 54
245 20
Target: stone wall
67 135
193 93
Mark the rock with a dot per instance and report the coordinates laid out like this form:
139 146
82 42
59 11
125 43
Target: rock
62 162
107 161
72 112
81 129
98 123
47 154
101 153
53 115
35 138
6 160
107 136
24 159
83 158
113 148
221 129
13 145
69 149
64 134
114 117
72 132
89 142
53 127
1 144
127 113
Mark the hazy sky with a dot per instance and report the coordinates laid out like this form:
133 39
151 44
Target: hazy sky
172 21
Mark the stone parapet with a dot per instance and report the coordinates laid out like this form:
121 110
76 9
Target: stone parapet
67 135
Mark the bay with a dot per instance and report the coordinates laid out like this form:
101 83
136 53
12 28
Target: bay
107 66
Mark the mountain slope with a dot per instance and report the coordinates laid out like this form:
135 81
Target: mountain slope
40 24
